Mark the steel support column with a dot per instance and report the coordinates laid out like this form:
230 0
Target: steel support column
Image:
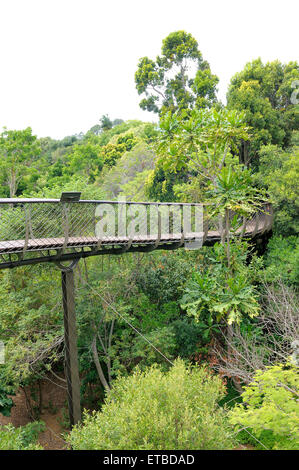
70 344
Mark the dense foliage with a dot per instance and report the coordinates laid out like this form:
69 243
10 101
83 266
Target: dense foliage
264 92
21 438
231 307
270 403
183 413
166 84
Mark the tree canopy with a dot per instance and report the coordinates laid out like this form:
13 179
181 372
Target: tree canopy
19 152
263 92
178 79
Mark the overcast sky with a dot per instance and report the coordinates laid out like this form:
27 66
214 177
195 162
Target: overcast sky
64 63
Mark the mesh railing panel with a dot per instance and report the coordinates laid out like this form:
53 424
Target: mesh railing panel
30 226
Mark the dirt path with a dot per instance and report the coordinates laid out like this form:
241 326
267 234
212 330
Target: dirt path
53 413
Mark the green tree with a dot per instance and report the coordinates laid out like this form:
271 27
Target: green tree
6 402
282 259
199 142
105 123
129 174
270 403
95 130
194 146
278 172
21 438
264 92
167 83
114 151
86 159
183 413
19 152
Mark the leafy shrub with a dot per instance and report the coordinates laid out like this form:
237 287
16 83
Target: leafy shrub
279 173
189 337
206 297
282 259
6 402
22 438
163 282
270 403
266 440
155 410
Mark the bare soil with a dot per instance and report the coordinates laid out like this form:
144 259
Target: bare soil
53 413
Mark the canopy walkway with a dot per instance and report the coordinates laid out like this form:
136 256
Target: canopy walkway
43 230
52 230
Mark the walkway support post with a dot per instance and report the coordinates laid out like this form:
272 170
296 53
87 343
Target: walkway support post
70 345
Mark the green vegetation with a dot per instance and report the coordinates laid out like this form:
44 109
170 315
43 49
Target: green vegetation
264 92
22 438
225 315
278 172
222 291
183 413
166 83
270 403
19 163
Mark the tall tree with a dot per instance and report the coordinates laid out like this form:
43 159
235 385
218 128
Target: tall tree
86 159
19 150
278 172
178 79
264 92
106 123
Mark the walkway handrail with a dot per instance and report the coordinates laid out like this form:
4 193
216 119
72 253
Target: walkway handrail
58 228
17 200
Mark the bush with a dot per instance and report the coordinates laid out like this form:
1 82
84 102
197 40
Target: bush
270 403
163 283
279 173
282 259
155 410
266 440
22 438
6 402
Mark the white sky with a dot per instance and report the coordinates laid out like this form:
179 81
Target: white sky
65 63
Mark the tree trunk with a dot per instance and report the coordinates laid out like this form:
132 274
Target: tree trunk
98 365
12 184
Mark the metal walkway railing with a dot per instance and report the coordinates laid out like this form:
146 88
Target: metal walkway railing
37 230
